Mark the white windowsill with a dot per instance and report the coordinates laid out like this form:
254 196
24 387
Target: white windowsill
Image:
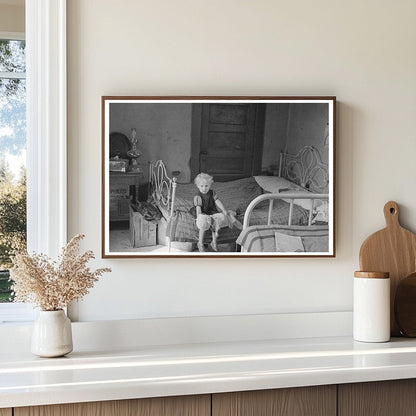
16 313
171 356
199 368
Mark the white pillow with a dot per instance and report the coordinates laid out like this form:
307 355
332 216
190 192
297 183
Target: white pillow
304 203
276 185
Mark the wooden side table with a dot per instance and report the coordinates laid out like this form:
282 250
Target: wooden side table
124 188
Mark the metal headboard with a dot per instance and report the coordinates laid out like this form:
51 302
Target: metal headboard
306 169
161 186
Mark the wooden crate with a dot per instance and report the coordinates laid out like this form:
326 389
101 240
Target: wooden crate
142 233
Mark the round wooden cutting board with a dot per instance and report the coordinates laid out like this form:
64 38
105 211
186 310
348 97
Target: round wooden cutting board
392 250
405 306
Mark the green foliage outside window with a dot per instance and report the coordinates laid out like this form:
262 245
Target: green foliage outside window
12 224
6 294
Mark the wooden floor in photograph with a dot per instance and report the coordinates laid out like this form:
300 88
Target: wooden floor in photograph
120 242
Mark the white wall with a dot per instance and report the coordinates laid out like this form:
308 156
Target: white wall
361 51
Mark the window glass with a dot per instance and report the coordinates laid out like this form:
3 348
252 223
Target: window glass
12 156
12 56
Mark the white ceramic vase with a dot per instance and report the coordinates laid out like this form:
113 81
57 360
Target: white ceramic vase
52 334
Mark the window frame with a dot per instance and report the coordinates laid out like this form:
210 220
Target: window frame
46 138
46 125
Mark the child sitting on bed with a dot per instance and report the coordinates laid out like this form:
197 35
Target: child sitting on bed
206 206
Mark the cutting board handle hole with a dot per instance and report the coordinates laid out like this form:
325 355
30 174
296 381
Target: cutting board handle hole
391 214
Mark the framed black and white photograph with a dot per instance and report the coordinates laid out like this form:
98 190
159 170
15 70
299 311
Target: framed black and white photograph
218 176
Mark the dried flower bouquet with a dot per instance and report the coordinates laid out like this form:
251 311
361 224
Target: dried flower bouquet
53 285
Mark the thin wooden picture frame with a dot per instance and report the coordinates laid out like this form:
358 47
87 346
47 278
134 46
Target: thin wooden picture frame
271 160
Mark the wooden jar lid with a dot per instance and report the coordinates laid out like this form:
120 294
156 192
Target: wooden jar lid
372 275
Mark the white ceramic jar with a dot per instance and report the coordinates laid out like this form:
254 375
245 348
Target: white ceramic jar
371 309
52 334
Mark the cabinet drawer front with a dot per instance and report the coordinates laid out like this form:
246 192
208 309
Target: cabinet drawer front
381 398
300 401
160 406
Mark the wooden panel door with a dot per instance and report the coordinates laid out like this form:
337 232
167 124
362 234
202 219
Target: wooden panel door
381 398
5 412
160 406
300 401
227 140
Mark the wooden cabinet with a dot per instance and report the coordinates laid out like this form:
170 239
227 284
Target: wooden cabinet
161 406
317 401
386 398
381 398
123 188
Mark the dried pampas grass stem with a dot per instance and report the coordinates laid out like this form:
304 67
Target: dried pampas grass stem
53 285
